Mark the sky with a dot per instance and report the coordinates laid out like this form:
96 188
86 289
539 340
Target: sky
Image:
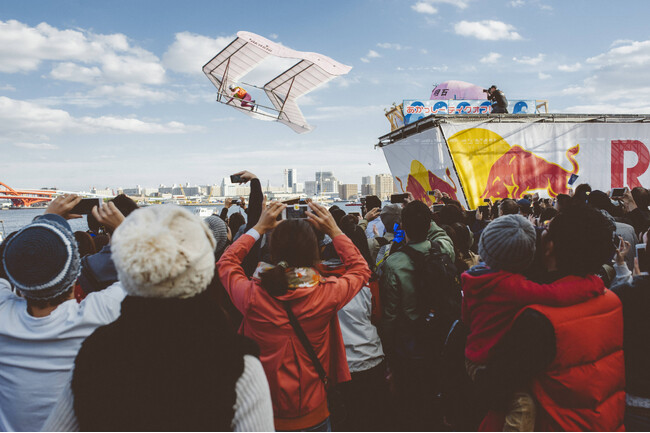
111 93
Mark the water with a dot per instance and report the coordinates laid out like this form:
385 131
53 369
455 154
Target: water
14 219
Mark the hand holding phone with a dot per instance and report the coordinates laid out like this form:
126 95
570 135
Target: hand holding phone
617 193
85 206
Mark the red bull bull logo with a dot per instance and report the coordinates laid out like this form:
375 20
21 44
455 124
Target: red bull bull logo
518 172
420 181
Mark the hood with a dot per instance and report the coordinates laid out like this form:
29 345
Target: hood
302 281
481 281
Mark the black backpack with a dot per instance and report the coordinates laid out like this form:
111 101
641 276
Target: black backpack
438 296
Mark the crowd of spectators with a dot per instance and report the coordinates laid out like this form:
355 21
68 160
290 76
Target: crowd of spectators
522 315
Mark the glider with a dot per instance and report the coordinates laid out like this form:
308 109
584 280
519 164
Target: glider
249 50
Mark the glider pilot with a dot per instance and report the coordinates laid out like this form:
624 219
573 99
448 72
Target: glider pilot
242 95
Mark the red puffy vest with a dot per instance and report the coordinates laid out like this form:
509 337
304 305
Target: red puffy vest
584 387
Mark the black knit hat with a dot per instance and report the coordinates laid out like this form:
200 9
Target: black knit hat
42 259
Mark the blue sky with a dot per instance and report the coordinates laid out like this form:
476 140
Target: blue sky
111 93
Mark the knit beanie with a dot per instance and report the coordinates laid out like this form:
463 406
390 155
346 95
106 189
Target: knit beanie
42 259
508 243
391 214
163 251
219 230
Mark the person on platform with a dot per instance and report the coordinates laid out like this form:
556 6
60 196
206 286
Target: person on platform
243 96
498 100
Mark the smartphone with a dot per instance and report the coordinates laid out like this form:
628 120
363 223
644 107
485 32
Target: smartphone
430 192
398 198
486 200
572 179
644 263
438 207
617 192
85 206
356 214
485 210
235 178
295 211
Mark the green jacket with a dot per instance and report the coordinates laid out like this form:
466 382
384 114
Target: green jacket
397 287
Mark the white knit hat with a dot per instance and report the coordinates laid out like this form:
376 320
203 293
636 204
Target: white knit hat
163 252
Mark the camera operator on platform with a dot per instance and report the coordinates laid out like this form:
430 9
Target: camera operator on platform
498 99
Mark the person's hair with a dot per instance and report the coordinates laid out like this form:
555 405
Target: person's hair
547 214
235 221
641 197
357 235
583 240
581 193
537 209
450 214
463 239
293 241
416 220
101 241
123 203
508 207
525 209
494 212
85 243
528 197
44 303
563 201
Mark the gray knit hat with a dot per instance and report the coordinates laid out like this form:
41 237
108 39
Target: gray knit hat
219 230
508 243
42 259
391 214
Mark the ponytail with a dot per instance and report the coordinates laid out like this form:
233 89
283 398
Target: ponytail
274 280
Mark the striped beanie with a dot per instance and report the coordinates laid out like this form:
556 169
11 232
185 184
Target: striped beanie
508 243
42 259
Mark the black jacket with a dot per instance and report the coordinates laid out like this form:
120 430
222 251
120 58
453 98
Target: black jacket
163 365
635 298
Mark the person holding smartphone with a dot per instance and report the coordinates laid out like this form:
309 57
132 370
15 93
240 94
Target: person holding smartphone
291 282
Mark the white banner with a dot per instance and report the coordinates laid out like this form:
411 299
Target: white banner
498 160
421 163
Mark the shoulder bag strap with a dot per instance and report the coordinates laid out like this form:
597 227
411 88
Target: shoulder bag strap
305 343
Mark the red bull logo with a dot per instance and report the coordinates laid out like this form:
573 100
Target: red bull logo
420 181
518 172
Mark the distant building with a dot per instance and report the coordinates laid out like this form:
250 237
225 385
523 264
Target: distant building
348 191
310 188
290 178
368 189
384 186
366 180
298 187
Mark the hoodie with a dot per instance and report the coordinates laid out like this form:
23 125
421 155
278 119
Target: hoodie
492 299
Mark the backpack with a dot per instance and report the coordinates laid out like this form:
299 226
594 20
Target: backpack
438 296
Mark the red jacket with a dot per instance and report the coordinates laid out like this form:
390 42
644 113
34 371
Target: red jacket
492 299
296 389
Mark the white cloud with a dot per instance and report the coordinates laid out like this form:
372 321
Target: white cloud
108 58
570 68
189 52
490 58
424 8
372 54
543 76
30 122
487 30
517 3
530 60
390 46
619 75
273 36
37 146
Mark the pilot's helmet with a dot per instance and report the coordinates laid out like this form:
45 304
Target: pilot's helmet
231 87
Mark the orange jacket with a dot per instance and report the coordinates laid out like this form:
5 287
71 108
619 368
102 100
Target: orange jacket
296 389
239 93
584 388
